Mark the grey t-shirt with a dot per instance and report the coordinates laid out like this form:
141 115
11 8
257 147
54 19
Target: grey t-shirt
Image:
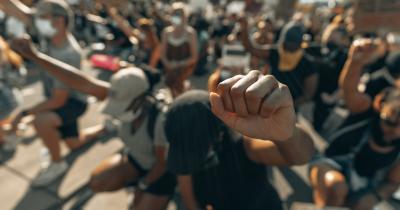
140 144
70 53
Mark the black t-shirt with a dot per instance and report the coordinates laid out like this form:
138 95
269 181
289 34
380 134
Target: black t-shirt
329 67
293 79
235 182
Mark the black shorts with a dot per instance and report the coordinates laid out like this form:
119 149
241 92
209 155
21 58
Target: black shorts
69 114
164 186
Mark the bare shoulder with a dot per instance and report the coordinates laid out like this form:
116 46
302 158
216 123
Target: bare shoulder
191 31
167 30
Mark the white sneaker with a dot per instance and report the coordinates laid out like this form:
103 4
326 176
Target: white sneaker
50 174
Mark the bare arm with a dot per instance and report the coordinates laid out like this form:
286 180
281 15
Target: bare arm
72 77
17 9
67 74
356 101
123 24
159 168
262 52
155 56
360 54
187 193
297 150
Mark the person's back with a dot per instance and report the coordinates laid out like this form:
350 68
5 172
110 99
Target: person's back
232 181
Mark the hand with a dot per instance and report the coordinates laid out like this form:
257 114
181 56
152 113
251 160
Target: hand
365 51
255 105
24 47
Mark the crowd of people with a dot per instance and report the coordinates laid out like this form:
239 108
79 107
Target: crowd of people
209 147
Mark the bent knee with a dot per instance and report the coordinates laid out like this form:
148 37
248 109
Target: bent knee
337 188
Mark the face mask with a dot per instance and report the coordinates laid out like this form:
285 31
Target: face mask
129 116
73 2
142 36
176 20
45 27
15 28
2 15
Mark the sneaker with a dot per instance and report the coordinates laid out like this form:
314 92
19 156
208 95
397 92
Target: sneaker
50 174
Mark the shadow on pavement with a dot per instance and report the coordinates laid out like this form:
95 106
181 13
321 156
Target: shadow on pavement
303 192
47 198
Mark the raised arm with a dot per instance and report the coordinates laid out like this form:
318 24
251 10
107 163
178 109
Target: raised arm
17 9
261 108
262 52
124 25
360 54
67 74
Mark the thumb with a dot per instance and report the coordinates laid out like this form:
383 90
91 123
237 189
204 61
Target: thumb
217 107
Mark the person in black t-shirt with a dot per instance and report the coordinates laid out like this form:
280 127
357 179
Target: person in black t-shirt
330 59
224 170
289 64
359 101
369 174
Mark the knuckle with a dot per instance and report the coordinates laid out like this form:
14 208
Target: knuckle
252 95
236 91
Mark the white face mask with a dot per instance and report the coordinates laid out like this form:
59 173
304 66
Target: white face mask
73 2
15 28
176 20
45 27
142 36
2 15
130 116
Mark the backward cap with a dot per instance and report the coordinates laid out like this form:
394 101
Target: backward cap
55 8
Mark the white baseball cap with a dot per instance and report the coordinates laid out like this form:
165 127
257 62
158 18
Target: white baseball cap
126 85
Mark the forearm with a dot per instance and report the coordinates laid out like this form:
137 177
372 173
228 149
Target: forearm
155 173
70 76
245 38
298 149
17 9
356 101
124 25
155 57
350 76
